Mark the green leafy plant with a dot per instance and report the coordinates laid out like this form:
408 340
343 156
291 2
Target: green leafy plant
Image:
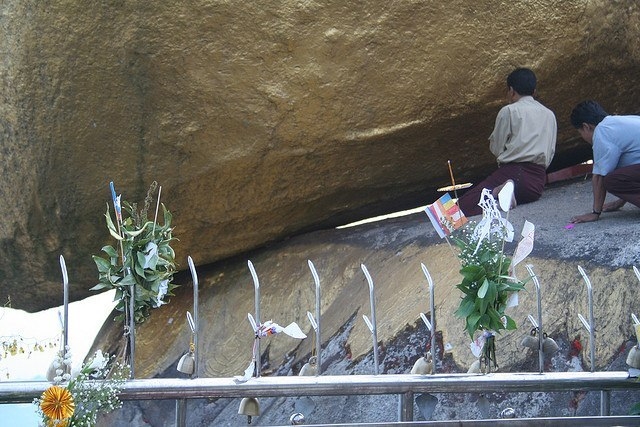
143 258
486 283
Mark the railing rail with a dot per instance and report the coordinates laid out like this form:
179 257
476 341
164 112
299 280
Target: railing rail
340 385
406 386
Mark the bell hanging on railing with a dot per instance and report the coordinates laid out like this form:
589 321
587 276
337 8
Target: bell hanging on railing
531 341
549 345
187 363
310 368
633 358
508 413
296 419
250 407
423 366
475 368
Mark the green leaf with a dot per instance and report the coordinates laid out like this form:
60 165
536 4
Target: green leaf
115 235
466 307
495 317
472 272
492 291
485 320
102 264
100 286
135 233
481 304
128 280
482 292
110 250
473 320
511 324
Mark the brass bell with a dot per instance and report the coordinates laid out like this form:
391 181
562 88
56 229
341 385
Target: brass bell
633 358
531 341
250 407
549 346
423 366
310 368
187 363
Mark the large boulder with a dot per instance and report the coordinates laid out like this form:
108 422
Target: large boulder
262 121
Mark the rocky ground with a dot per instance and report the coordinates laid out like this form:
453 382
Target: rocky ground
606 249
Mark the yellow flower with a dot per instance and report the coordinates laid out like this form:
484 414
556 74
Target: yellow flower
57 403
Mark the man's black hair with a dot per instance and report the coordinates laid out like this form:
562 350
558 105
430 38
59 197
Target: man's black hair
589 112
523 81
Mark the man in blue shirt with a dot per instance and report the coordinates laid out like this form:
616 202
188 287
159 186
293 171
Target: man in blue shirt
616 157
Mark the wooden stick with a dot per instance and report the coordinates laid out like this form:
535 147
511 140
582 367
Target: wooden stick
155 218
453 181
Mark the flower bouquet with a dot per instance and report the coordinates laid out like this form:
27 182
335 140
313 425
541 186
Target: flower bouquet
144 257
488 283
76 401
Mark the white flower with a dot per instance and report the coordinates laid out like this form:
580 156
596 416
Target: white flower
98 361
150 255
162 291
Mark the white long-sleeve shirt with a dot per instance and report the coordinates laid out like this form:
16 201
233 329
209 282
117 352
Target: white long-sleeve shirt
525 131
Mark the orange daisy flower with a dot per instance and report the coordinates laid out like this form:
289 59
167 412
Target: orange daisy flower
57 403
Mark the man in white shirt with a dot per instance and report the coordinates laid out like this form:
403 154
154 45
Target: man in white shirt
616 157
523 141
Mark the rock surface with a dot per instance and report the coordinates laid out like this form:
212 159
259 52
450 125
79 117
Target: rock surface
266 121
392 250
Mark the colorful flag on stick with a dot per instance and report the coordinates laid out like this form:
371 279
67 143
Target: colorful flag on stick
445 215
116 202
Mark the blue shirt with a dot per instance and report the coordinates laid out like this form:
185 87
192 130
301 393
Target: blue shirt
616 143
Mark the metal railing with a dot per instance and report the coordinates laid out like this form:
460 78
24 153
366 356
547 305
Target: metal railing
340 385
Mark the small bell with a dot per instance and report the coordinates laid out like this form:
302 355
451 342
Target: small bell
549 346
531 341
296 419
508 413
633 358
423 366
250 407
475 368
310 368
187 363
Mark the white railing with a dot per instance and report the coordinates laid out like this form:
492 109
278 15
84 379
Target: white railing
340 385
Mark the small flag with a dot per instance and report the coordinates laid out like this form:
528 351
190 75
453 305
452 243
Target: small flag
445 215
116 202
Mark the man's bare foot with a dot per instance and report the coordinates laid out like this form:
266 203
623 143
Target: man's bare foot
613 206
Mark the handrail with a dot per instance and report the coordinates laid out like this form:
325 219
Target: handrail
341 385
